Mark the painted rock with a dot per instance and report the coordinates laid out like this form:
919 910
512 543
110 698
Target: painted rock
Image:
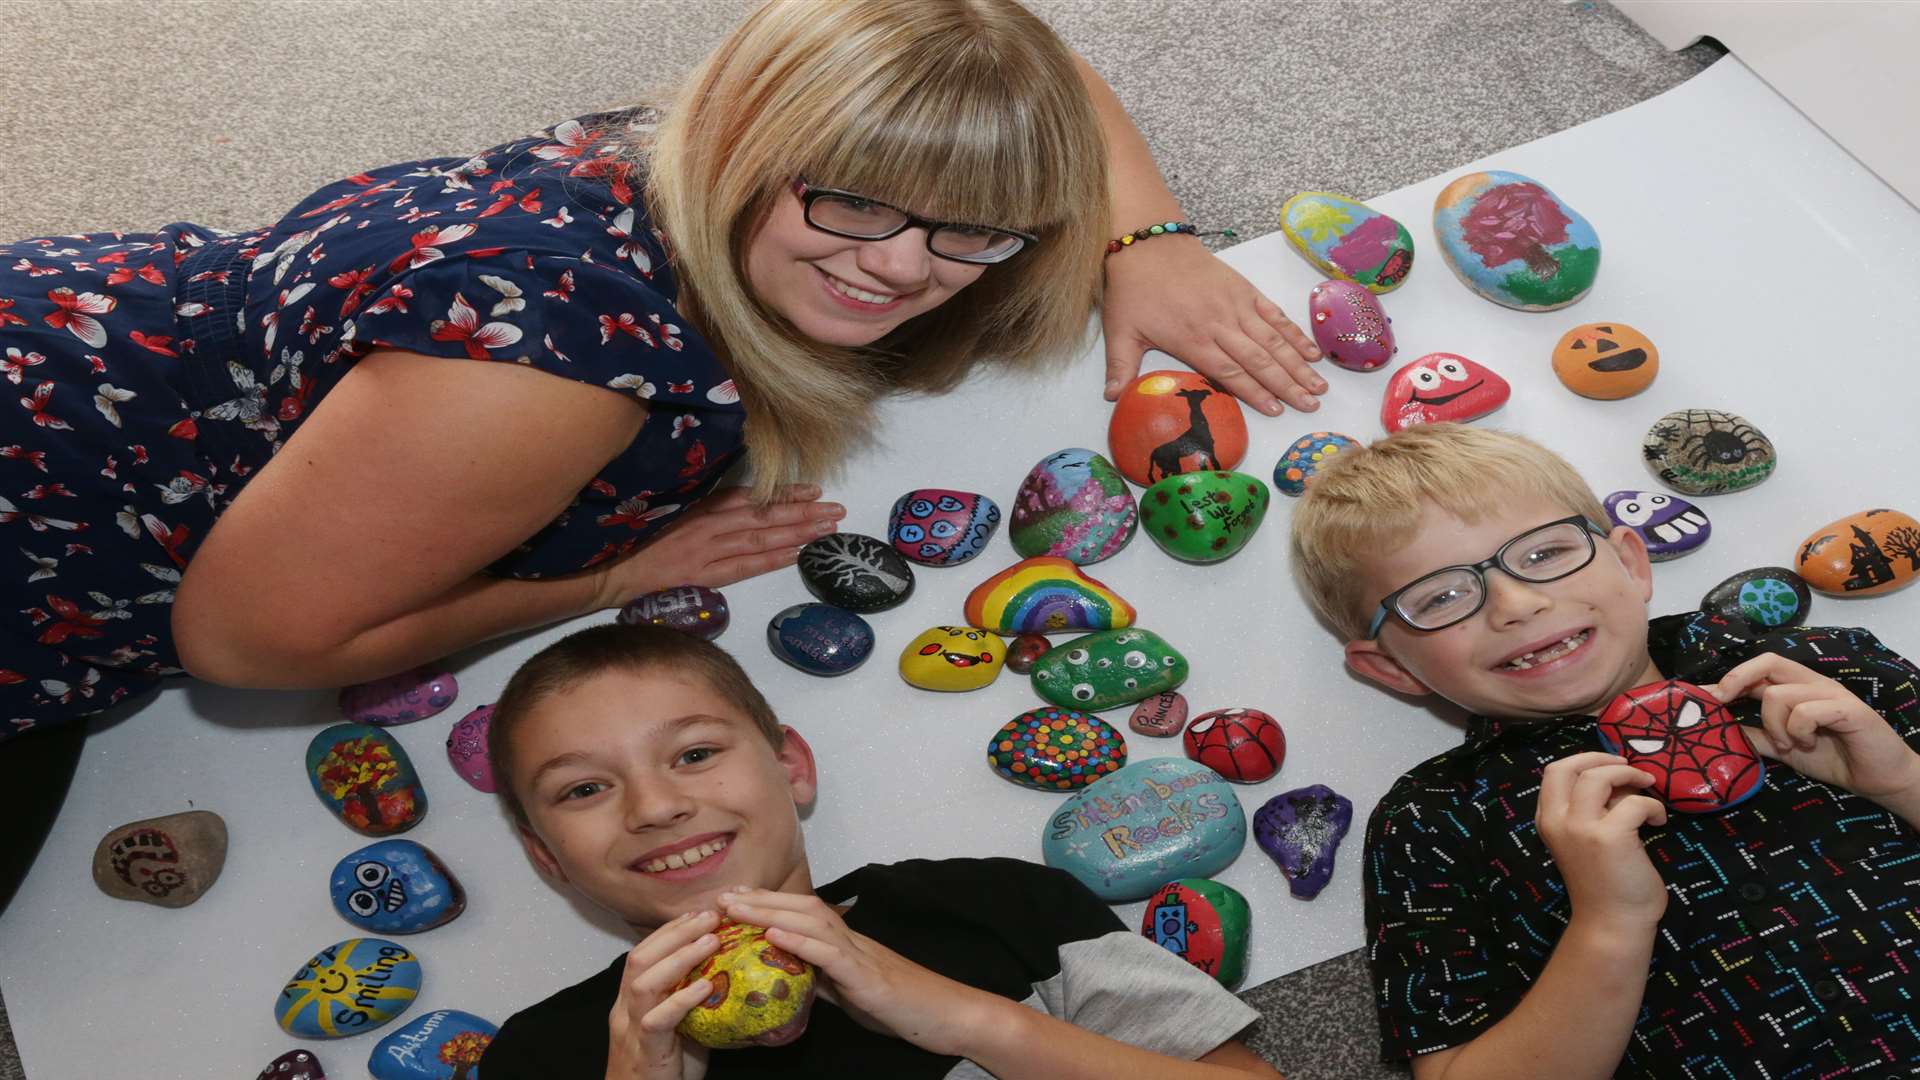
294 1065
1768 596
855 572
1707 452
939 527
690 609
1349 326
1696 752
395 887
399 699
1439 387
167 861
1108 669
1511 240
1162 715
953 658
1608 361
445 1044
1056 749
1026 649
1172 422
1045 595
1130 832
1304 459
1670 525
1243 745
349 987
1874 551
366 779
820 639
1301 829
1075 505
1348 240
467 749
761 995
1204 517
1202 922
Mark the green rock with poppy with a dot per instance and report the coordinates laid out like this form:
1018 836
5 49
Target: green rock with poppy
1108 669
1204 517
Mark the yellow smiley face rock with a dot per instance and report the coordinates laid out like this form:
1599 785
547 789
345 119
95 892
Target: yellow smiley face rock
953 658
761 994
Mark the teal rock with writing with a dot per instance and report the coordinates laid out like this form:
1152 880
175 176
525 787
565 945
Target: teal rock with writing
348 987
1108 669
1132 831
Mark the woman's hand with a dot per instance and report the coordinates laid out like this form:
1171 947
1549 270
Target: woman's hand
641 1041
722 539
1172 294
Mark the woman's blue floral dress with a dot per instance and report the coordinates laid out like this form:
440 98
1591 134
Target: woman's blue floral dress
156 373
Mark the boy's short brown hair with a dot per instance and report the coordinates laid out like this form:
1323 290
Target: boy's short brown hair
615 647
1370 501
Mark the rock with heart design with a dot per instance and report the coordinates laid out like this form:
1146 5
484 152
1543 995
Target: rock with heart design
1304 459
953 658
1074 505
820 639
1863 554
1441 387
1768 596
941 527
1109 669
347 988
1162 715
1607 361
1023 651
445 1044
1669 524
1243 745
855 572
1301 830
1203 922
1707 452
761 994
293 1065
467 749
366 779
1204 517
1349 326
1132 831
400 699
690 609
1348 239
395 887
1045 595
1054 749
1699 756
1170 422
167 861
1511 240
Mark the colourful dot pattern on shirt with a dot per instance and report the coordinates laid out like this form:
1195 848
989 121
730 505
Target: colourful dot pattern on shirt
1056 749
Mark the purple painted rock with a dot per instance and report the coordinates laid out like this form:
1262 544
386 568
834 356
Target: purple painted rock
1025 650
1349 326
399 699
1669 524
690 609
467 749
294 1065
1162 715
1302 829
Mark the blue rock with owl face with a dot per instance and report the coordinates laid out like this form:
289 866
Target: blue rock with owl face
396 887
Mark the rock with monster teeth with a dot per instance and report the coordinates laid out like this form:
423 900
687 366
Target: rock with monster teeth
1670 525
396 887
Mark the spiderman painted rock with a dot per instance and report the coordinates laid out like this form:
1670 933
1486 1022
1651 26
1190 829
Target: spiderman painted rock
1697 753
1243 745
1440 387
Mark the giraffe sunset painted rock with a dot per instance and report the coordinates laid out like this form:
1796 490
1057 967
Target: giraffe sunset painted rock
1172 422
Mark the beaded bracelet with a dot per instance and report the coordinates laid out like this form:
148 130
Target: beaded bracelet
1163 229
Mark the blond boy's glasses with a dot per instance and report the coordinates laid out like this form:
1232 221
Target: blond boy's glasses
1455 594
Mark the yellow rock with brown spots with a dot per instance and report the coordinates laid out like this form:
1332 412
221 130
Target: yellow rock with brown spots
761 995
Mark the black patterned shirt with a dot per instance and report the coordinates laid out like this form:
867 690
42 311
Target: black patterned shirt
1790 947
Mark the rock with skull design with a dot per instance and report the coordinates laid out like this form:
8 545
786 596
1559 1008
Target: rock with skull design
1707 452
1440 387
396 887
1697 753
166 861
1670 525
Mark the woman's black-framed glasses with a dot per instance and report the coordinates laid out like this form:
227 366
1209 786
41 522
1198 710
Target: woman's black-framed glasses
857 217
1454 594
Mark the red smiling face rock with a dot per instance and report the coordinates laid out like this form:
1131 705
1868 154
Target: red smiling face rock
1441 386
1687 741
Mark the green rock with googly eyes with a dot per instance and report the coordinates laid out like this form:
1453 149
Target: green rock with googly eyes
1108 669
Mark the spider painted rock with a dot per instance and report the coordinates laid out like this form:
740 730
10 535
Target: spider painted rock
1687 741
1707 452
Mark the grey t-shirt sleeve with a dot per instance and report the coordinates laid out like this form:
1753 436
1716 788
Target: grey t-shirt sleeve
1130 989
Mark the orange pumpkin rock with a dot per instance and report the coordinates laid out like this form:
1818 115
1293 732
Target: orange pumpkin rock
1606 360
1171 422
1874 551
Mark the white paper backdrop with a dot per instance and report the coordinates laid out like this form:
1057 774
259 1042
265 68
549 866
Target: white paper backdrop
1774 273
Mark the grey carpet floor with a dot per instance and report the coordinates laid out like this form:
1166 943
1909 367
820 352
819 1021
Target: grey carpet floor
135 113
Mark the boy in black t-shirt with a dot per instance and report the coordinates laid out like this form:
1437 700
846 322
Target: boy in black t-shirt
1531 912
645 770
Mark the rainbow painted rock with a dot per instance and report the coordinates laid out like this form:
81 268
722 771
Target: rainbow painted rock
1073 504
690 609
1202 922
1349 326
953 658
167 861
1056 749
1707 452
1873 551
1304 459
1245 746
761 995
1301 830
820 639
1607 361
395 887
1441 387
294 1065
467 749
366 779
1697 753
855 572
347 988
939 527
1170 422
1024 650
1767 596
1045 595
399 699
1509 239
1204 517
445 1044
1154 821
1670 525
1162 715
1108 669
1348 240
